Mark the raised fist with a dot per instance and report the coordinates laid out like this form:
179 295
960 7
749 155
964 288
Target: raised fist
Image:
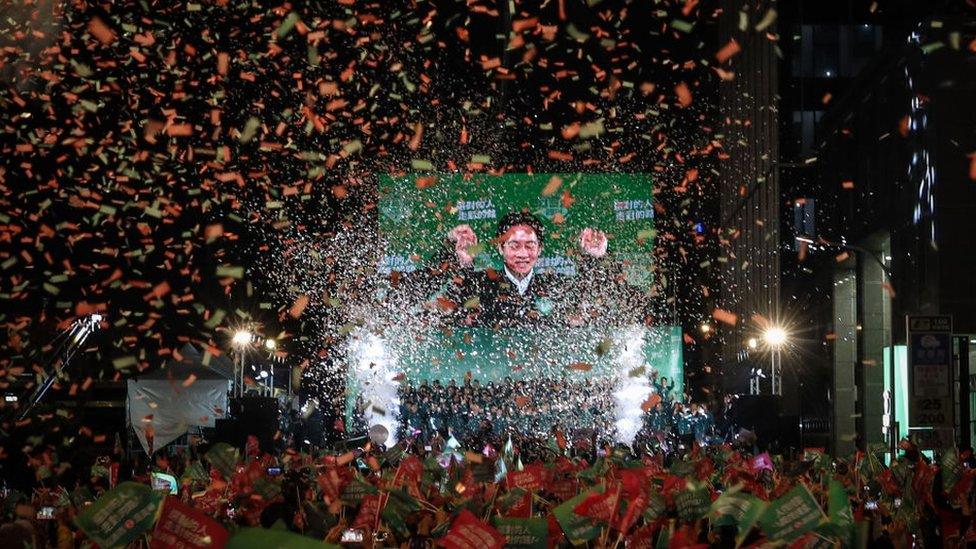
593 242
463 238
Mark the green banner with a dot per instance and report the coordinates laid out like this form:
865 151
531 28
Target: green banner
121 515
530 533
417 212
738 509
792 515
224 458
692 504
578 529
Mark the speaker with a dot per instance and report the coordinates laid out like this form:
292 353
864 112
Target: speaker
259 417
256 416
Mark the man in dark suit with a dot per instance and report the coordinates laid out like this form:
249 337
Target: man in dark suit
516 295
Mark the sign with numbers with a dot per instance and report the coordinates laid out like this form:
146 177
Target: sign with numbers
931 404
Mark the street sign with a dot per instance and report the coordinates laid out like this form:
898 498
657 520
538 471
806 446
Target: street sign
931 403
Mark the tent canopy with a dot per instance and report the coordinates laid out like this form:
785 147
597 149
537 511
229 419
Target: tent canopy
164 404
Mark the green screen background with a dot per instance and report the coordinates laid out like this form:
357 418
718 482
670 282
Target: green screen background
414 221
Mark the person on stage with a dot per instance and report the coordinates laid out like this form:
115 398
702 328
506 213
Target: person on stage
518 294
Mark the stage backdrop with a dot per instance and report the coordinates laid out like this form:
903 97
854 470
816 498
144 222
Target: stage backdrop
415 214
417 211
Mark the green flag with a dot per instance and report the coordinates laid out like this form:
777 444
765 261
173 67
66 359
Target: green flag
664 536
692 503
578 529
353 493
735 508
267 488
530 533
121 515
264 538
399 504
792 515
224 457
950 469
839 509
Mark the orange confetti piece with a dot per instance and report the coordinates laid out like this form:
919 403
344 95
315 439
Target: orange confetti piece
903 126
213 232
684 94
190 379
651 402
581 366
101 31
426 181
223 62
418 135
972 166
847 184
298 307
728 51
725 317
339 192
552 186
842 257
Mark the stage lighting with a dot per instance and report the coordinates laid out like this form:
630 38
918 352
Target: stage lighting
705 328
270 344
752 343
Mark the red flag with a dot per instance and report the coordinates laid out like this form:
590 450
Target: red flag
600 507
183 527
634 481
468 532
530 478
411 470
634 509
369 512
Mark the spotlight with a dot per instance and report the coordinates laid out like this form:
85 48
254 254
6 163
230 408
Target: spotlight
242 338
705 328
270 344
752 343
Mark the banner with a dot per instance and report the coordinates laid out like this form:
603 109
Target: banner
523 533
417 212
224 458
469 532
578 529
121 515
792 515
183 527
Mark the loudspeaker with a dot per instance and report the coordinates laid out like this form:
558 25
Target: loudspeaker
259 417
256 416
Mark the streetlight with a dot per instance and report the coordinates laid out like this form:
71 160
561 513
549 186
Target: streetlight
270 345
242 339
775 337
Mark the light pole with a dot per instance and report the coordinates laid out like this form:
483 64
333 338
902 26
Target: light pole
775 337
270 345
241 340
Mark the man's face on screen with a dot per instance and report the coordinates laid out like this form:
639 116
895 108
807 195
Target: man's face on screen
520 249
